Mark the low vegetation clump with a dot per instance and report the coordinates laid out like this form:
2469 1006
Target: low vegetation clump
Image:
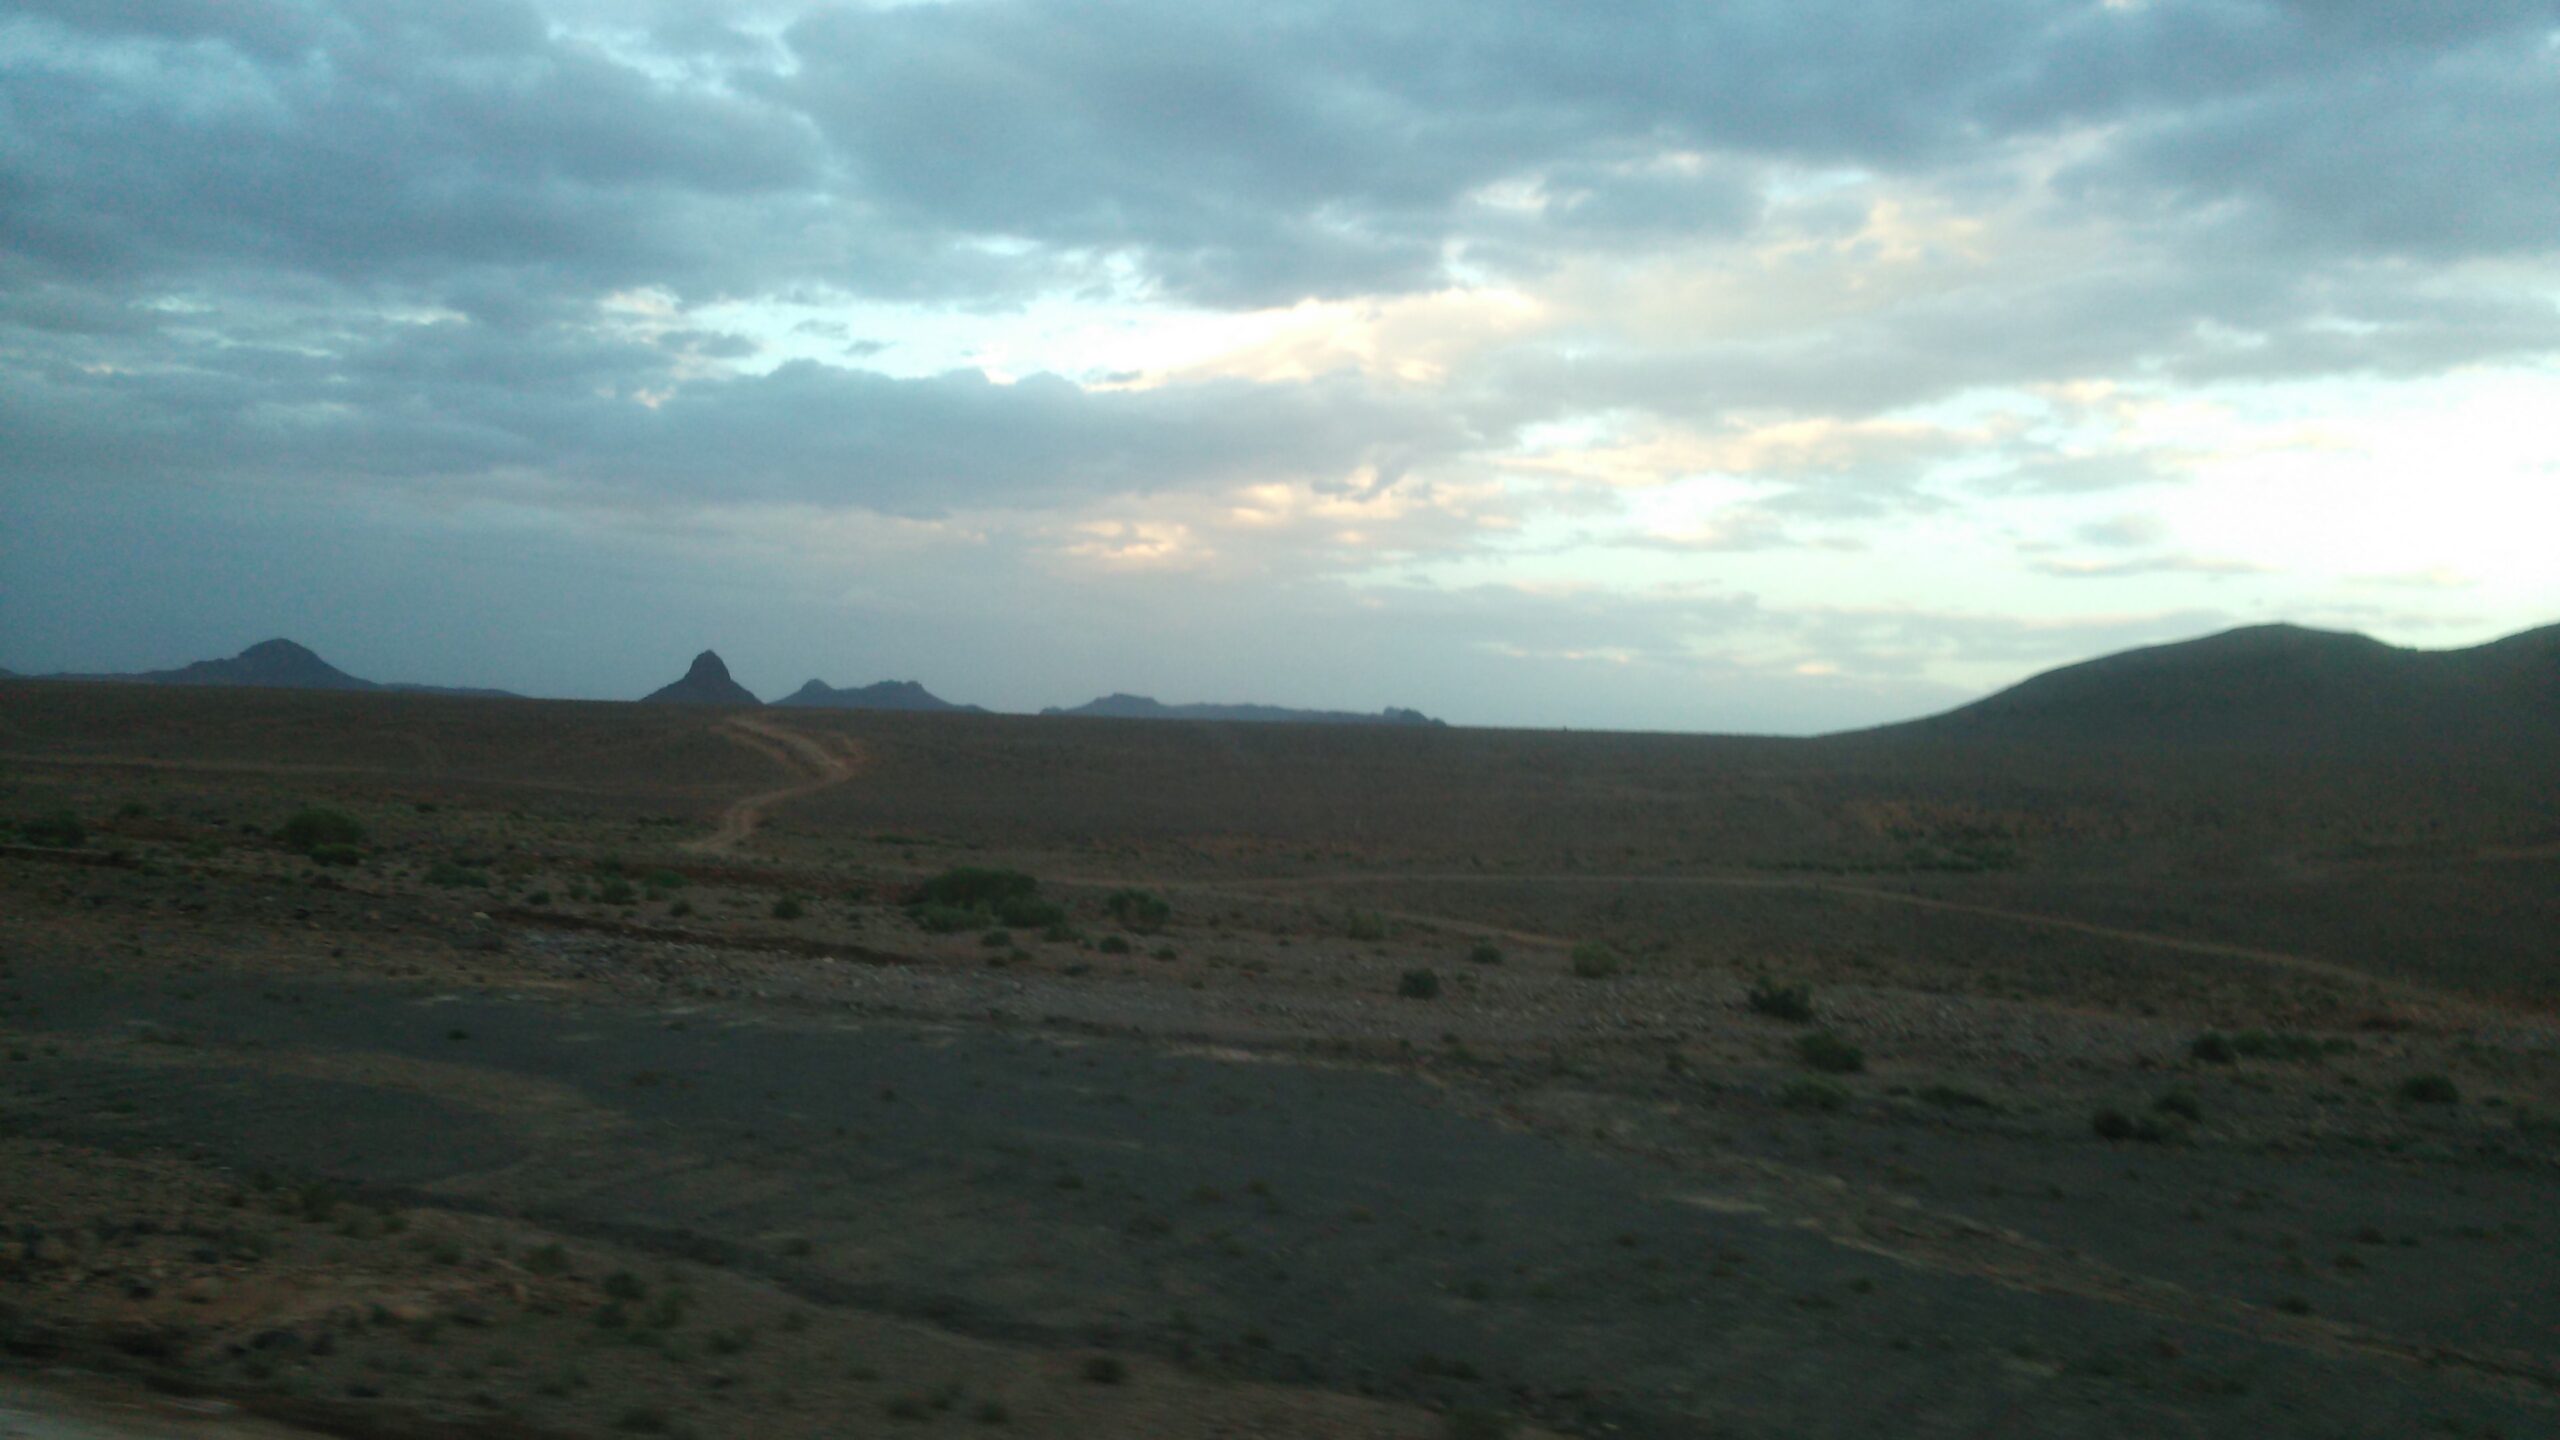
1830 1054
1365 925
2430 1090
1106 1370
1782 1002
1594 961
334 855
2150 1129
973 897
2182 1104
453 876
55 829
1419 985
1485 953
617 892
1822 1095
2214 1048
312 827
2285 1045
1112 945
1138 909
1951 1097
788 908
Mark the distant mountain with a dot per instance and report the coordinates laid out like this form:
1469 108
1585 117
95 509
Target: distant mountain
707 683
885 695
2281 687
1141 707
273 665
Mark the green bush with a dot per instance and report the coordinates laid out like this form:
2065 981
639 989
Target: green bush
1783 1002
1138 909
788 908
617 892
1112 945
56 829
2285 1045
2181 1103
2214 1048
1950 1097
452 876
1030 912
1469 1423
2430 1090
311 827
1594 961
1106 1370
1814 1095
2112 1125
335 855
1829 1053
1485 953
1419 985
1365 925
939 919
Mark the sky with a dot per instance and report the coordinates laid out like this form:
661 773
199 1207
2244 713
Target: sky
1775 367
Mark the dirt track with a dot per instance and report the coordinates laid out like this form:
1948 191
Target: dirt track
822 769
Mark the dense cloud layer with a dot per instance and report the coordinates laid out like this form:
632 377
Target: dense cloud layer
1860 263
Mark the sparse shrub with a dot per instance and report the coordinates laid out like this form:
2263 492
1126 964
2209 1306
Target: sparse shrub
2213 1048
1105 1370
1783 1002
55 829
1060 933
1419 985
1485 953
1030 912
1950 1097
1829 1053
2112 1125
935 918
2181 1103
538 897
617 892
788 908
1365 925
976 887
453 876
1138 909
642 1420
335 855
623 1285
664 880
2430 1090
1112 945
678 910
1166 952
1594 961
311 827
1821 1095
996 939
549 1259
2285 1045
992 1412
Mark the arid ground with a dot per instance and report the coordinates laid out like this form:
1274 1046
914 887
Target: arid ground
601 1078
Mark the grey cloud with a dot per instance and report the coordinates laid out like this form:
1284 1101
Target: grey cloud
2146 565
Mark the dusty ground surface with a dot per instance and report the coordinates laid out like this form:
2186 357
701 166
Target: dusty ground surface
608 1085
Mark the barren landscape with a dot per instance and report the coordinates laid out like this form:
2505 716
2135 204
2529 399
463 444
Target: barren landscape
400 1064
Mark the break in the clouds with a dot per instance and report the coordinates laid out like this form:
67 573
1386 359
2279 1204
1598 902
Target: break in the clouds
1741 366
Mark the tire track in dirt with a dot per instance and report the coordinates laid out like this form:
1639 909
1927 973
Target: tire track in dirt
822 768
2214 949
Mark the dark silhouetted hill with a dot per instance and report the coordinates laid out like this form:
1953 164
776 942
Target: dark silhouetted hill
1141 707
2280 687
273 665
884 695
707 683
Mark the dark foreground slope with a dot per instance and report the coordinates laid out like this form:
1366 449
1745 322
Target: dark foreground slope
2281 687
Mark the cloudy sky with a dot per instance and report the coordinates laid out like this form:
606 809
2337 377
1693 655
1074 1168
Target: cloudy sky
1737 366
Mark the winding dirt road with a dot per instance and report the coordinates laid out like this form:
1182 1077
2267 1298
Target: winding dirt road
820 768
